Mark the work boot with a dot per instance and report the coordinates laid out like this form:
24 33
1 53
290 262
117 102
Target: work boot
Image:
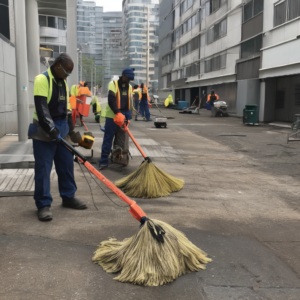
74 203
44 214
135 118
144 118
148 120
102 167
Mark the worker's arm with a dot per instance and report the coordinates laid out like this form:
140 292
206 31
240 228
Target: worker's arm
217 97
208 98
41 90
45 119
112 102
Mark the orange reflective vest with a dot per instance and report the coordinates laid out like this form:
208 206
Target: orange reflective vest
118 96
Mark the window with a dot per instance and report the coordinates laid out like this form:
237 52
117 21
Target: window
43 21
215 63
190 23
185 5
176 34
216 32
52 22
253 8
62 49
190 46
285 11
212 5
251 46
62 24
169 80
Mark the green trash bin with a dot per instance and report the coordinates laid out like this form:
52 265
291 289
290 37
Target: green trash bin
250 114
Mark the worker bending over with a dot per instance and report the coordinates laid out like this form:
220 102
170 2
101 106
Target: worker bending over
137 97
212 98
52 120
144 105
118 110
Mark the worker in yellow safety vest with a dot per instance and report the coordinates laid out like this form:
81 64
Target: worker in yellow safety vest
144 104
118 110
137 97
52 121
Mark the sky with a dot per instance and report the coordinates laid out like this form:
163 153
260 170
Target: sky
110 5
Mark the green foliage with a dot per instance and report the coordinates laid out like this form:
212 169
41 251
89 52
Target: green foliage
89 67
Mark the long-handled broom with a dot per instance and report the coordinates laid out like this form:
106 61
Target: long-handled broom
155 255
148 181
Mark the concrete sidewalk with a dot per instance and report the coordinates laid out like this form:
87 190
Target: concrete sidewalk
240 204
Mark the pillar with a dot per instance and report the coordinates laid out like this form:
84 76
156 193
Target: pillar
262 102
72 39
21 70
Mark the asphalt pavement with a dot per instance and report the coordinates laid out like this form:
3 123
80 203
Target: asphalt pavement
240 204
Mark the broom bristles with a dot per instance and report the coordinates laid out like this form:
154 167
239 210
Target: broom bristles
149 181
144 261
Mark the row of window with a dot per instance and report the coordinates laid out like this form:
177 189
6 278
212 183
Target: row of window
216 31
251 47
185 5
53 22
190 46
215 63
285 11
186 26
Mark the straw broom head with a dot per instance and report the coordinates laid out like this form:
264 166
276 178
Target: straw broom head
149 181
144 260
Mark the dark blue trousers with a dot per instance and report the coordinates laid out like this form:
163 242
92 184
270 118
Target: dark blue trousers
136 105
144 109
44 154
110 131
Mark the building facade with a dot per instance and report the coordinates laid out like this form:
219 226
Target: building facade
136 15
112 47
244 50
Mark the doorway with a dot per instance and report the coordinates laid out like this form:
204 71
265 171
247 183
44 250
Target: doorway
203 96
194 96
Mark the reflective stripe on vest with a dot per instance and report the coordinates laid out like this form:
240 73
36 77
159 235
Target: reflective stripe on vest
118 96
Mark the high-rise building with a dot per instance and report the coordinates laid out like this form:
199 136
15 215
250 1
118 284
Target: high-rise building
137 35
113 64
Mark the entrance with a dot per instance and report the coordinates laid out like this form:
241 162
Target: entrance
203 96
177 96
194 94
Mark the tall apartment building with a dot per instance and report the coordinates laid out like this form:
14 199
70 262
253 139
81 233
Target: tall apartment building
135 21
90 33
113 64
243 49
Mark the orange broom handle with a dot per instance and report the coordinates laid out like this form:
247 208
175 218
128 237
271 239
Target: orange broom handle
126 129
135 210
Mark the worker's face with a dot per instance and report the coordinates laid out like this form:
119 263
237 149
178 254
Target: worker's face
63 70
125 79
212 93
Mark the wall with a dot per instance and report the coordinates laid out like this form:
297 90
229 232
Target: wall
248 92
8 95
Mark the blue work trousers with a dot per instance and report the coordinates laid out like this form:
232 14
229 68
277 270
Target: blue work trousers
109 134
44 154
136 106
144 109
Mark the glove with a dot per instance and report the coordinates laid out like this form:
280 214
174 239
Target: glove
119 119
57 139
54 134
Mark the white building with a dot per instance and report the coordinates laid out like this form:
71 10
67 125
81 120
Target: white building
244 49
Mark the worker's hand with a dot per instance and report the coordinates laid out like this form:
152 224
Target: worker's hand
57 140
119 119
54 134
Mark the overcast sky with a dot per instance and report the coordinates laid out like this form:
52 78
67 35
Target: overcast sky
110 5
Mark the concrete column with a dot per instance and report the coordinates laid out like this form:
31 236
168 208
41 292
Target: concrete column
33 39
21 70
72 39
262 102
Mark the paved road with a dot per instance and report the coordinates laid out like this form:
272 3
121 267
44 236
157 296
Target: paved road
240 204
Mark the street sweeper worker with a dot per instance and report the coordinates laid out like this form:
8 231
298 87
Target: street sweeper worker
118 110
144 104
212 98
52 121
137 96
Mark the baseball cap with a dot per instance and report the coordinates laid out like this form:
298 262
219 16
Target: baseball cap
129 73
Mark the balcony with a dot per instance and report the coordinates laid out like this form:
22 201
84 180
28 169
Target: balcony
48 32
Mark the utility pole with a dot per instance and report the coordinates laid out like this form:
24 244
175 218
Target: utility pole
92 70
21 71
147 59
95 80
80 65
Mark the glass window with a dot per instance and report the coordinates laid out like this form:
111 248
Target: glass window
52 22
251 47
63 49
294 9
248 11
280 13
43 21
61 24
258 6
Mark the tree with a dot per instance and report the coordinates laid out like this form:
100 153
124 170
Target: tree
89 69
